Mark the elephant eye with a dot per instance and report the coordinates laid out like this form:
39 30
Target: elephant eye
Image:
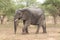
19 13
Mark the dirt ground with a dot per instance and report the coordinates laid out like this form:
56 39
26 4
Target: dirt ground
7 32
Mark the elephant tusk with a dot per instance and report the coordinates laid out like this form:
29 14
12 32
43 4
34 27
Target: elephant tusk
16 19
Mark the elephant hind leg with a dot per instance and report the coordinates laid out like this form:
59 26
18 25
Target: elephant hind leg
44 28
26 30
38 29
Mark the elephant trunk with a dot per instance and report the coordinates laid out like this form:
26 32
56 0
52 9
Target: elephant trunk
15 25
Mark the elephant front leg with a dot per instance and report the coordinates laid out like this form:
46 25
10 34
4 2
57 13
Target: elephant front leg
25 28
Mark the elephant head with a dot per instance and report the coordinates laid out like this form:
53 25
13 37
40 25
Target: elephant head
19 14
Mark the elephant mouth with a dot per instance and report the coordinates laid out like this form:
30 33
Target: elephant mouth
19 18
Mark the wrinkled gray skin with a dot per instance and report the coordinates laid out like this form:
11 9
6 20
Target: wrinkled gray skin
30 16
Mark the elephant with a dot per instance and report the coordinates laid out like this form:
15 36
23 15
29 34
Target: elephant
30 16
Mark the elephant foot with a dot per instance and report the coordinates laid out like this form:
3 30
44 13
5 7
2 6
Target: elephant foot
25 32
44 32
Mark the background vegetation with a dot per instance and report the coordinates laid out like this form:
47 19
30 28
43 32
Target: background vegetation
52 14
8 7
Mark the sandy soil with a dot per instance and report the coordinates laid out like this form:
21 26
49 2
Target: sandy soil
7 33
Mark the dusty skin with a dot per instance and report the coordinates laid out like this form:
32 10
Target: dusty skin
7 32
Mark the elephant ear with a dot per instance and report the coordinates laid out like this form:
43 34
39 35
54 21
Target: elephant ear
26 12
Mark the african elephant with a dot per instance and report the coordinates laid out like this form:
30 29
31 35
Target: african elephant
30 16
